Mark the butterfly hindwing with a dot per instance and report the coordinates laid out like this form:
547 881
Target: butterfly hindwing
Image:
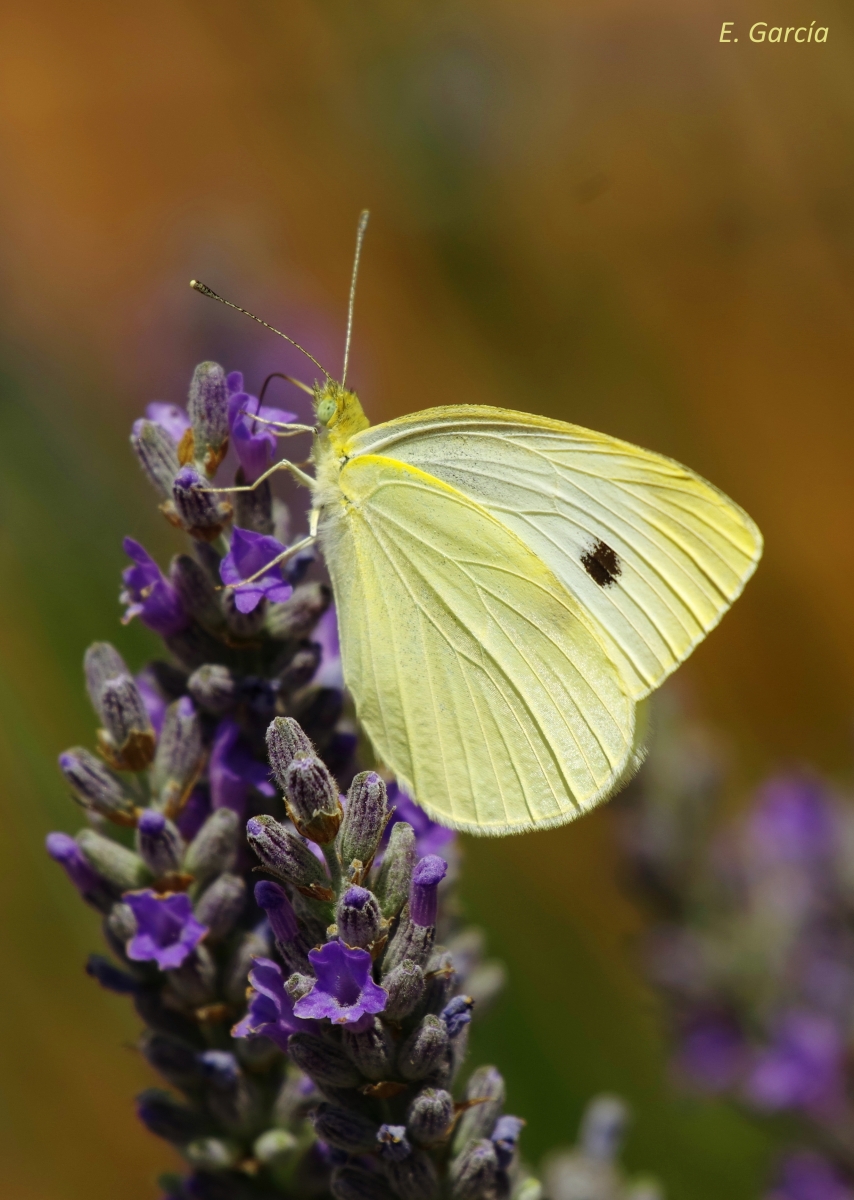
474 672
654 555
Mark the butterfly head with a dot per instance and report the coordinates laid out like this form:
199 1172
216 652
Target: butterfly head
339 411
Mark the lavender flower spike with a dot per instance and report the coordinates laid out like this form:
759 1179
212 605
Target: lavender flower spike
344 992
167 932
423 901
148 595
251 552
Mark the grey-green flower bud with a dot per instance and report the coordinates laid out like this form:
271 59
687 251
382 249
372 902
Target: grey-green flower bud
214 688
365 816
175 1060
354 1183
424 1049
214 848
431 1115
296 618
127 740
358 917
221 905
287 857
115 864
414 1177
197 592
312 798
158 843
411 941
371 1049
157 454
343 1128
324 1063
487 1086
207 409
395 875
474 1172
405 987
179 755
95 787
251 945
212 1154
285 742
274 1146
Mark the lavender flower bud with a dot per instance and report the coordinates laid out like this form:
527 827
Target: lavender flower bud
301 668
214 848
221 906
213 1154
284 925
487 1086
393 1144
410 941
179 755
343 1128
111 977
414 1177
371 1049
431 1115
358 917
100 663
603 1128
127 739
474 1172
365 816
120 868
214 688
395 874
424 1049
254 510
194 981
354 1183
423 901
456 1014
441 979
207 409
63 849
295 618
95 787
166 1117
324 1063
313 803
197 593
199 511
285 742
220 1068
157 454
119 927
299 985
173 1059
158 843
405 987
505 1138
286 856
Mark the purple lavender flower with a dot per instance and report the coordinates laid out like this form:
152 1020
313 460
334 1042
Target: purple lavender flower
712 1053
429 837
149 595
423 899
271 1008
803 1068
233 772
807 1176
344 991
793 822
169 417
64 849
254 441
251 552
152 697
167 932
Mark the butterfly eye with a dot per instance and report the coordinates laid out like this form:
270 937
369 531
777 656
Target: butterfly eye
327 410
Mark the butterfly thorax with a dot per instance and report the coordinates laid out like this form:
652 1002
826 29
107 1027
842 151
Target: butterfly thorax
340 417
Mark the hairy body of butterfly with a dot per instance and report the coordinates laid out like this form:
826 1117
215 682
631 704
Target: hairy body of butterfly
509 589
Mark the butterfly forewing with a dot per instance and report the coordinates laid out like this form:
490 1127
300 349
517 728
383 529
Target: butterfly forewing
474 672
654 554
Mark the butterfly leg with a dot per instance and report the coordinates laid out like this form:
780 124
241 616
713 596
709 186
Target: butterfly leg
283 465
302 544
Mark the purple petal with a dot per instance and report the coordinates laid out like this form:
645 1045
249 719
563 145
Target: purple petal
170 417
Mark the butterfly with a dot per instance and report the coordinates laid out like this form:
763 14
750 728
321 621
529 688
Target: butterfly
509 591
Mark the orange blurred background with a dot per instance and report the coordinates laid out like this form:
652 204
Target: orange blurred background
595 211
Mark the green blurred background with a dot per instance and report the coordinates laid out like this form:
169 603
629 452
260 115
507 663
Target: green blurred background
590 210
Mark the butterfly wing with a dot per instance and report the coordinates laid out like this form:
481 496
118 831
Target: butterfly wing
652 552
474 672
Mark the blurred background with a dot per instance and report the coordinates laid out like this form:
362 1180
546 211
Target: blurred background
594 211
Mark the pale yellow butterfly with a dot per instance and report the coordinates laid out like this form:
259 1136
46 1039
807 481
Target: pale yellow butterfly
509 588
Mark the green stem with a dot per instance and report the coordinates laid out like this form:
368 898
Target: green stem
334 864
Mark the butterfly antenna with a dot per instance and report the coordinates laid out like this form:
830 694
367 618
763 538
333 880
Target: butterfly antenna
206 291
360 237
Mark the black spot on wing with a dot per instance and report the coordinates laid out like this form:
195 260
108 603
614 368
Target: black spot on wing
602 563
